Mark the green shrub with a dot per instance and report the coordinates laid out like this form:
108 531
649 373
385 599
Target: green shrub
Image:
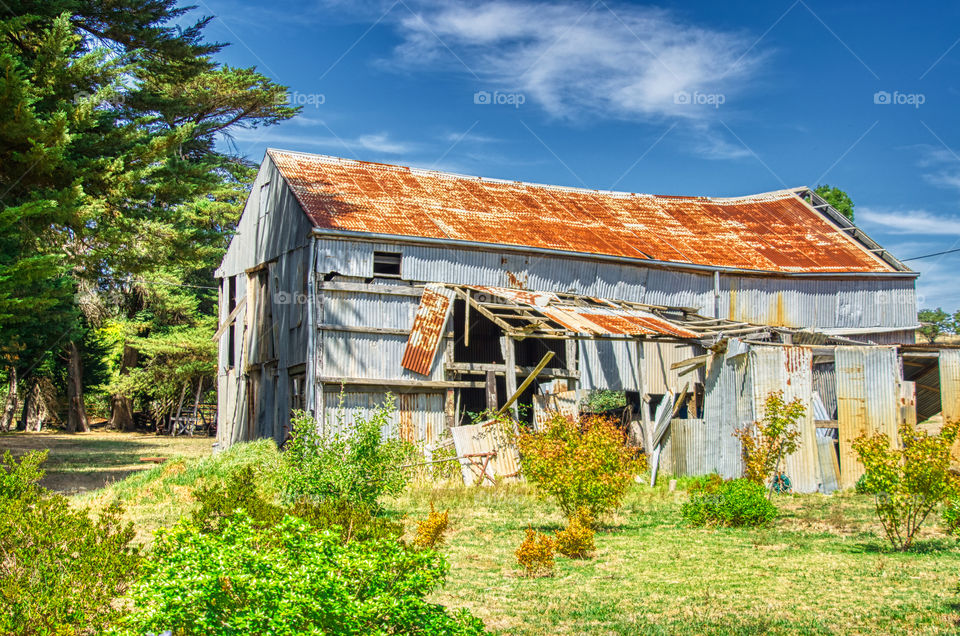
581 464
220 500
288 579
950 516
736 503
908 483
768 443
60 571
353 521
353 463
603 400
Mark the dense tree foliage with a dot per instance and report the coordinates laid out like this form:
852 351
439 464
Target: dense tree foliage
836 197
116 198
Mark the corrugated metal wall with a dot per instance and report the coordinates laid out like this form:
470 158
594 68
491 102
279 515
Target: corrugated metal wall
867 393
417 417
727 406
950 384
803 302
695 449
790 370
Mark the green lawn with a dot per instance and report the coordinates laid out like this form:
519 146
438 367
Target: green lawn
822 567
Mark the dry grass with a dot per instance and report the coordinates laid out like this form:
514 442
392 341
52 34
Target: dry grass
82 462
822 568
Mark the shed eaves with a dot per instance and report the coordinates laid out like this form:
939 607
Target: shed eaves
777 231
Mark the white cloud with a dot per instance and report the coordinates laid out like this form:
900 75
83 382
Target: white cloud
911 221
576 59
378 143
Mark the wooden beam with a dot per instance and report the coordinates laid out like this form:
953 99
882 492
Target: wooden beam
382 331
422 384
491 386
523 387
230 319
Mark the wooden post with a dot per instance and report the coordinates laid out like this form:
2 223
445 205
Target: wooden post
644 400
466 321
508 345
492 404
450 409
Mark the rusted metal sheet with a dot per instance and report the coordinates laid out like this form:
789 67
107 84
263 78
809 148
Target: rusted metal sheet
776 231
590 320
566 403
486 437
950 384
790 370
867 393
427 329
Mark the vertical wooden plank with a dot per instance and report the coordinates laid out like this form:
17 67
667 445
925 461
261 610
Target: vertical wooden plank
508 345
449 408
492 404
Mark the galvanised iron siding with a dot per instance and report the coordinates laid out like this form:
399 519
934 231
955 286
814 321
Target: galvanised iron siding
950 384
825 384
828 303
727 406
789 369
767 300
867 396
357 355
775 231
694 448
417 417
609 364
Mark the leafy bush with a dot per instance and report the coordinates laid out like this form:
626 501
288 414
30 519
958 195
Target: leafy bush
603 400
289 579
766 444
735 503
576 540
950 516
580 464
908 482
220 500
60 570
535 554
430 530
353 464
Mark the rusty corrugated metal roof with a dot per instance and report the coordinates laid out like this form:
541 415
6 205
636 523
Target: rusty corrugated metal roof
427 329
776 231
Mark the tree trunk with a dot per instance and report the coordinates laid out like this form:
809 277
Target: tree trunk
76 412
29 404
10 409
121 406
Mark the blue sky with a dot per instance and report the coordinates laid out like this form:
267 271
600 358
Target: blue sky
693 98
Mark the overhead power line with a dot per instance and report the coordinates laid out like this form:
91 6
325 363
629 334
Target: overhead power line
916 258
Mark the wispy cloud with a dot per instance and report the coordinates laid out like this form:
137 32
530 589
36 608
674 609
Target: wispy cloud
579 59
377 143
911 221
941 165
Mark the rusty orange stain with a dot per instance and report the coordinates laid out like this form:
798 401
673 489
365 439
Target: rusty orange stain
427 329
776 231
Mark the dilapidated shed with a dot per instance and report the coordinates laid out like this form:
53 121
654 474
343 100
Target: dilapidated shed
349 280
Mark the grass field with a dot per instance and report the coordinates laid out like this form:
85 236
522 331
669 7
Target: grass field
86 461
822 567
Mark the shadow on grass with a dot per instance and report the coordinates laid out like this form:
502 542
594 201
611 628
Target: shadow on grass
920 546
